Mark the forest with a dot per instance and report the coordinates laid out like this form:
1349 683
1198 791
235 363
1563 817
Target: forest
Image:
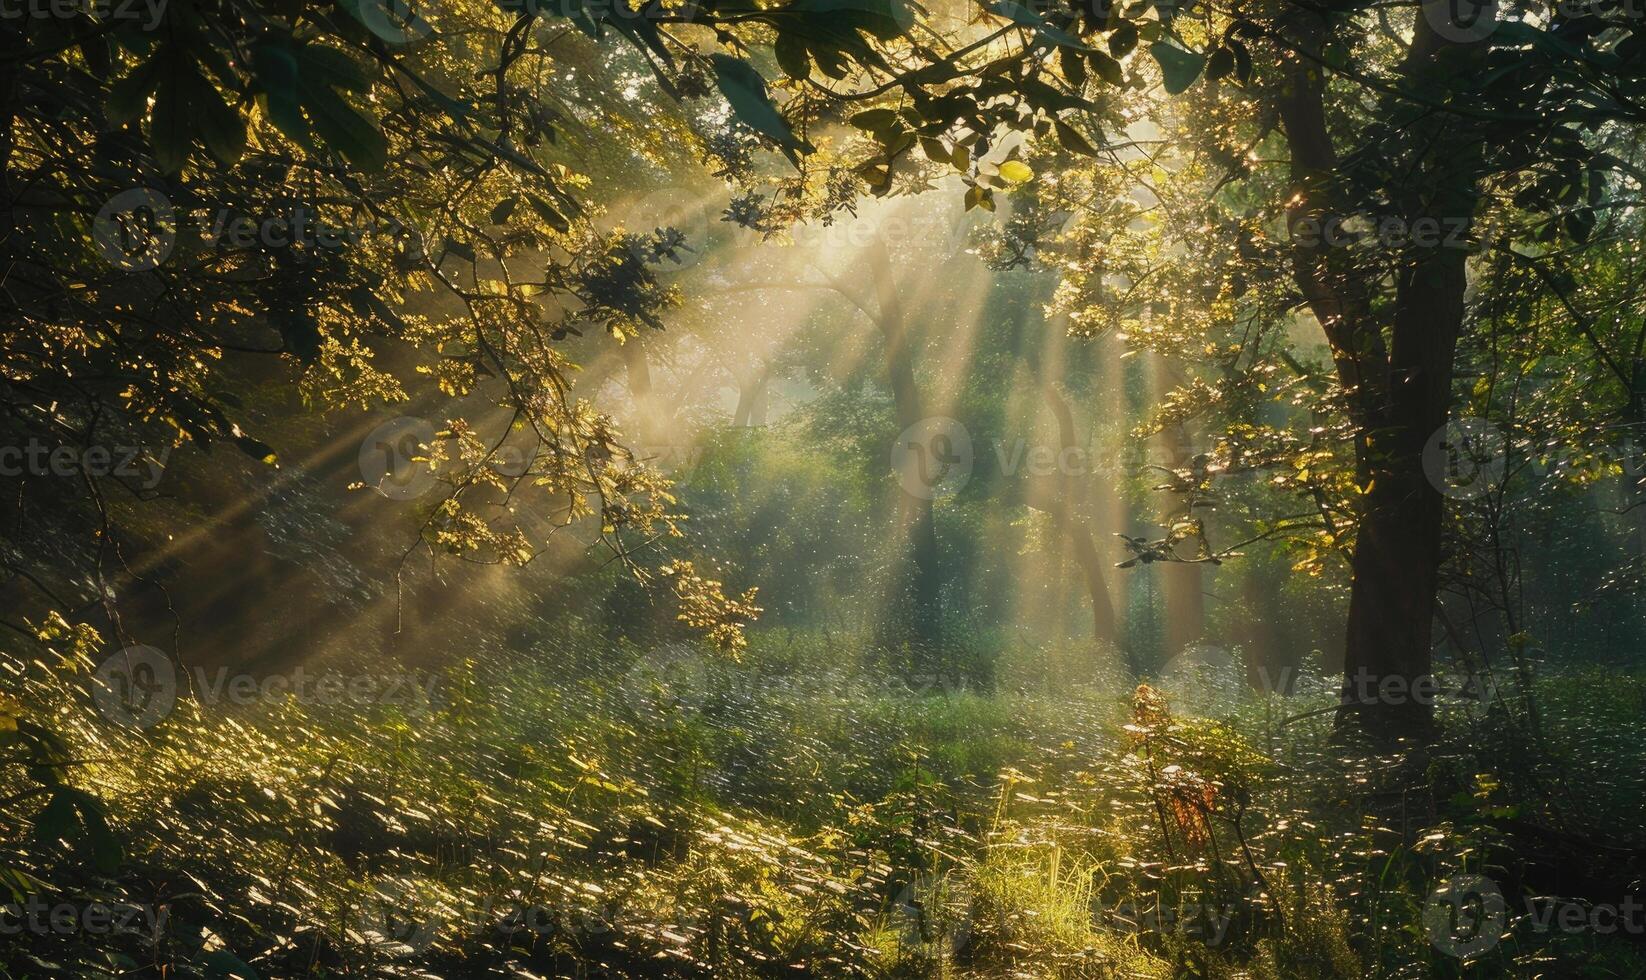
822 488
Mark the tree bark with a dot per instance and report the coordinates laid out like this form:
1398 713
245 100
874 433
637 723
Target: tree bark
1399 392
1396 563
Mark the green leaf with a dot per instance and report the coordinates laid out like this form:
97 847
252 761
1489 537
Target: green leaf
105 850
1242 60
1107 68
792 56
76 816
256 449
1221 63
345 129
1074 67
172 123
1072 140
980 197
128 98
885 19
221 128
275 66
56 821
1580 224
301 335
1123 40
21 884
504 208
745 89
1518 32
392 20
1178 68
331 67
547 212
875 120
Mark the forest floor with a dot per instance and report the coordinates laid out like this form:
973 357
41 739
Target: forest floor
647 814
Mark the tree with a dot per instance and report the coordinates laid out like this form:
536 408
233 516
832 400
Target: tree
1420 133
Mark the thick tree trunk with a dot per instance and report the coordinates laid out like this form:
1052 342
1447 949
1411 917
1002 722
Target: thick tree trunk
1396 562
1399 394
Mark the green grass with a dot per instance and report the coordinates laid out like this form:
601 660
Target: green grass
699 824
